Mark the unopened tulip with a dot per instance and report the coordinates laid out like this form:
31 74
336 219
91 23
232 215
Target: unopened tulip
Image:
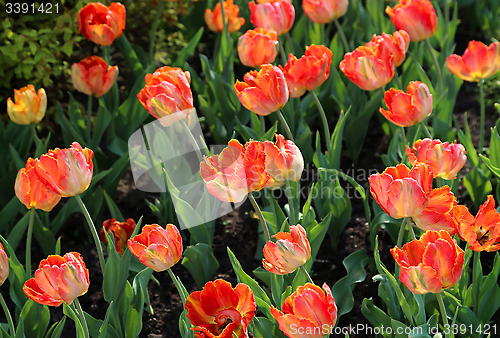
482 233
276 15
410 108
284 161
157 247
437 214
264 91
445 159
121 231
308 312
236 171
309 72
430 264
398 43
31 191
4 265
58 280
29 105
402 192
66 172
478 62
417 17
231 11
257 47
220 310
93 76
101 24
324 11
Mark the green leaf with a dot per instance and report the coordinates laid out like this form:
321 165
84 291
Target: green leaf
188 50
130 56
113 208
201 263
478 186
59 328
341 209
68 311
36 319
17 233
375 315
44 236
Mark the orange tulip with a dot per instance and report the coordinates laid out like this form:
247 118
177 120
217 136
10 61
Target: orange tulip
398 43
231 11
31 191
276 15
309 72
308 312
478 62
430 264
157 247
4 265
66 172
483 232
284 161
369 67
263 92
257 47
291 251
29 106
236 171
445 159
437 214
417 17
58 280
221 311
324 11
402 192
93 76
408 109
121 231
100 24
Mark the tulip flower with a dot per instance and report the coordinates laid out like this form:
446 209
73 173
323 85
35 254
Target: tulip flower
58 280
31 191
121 231
402 192
101 24
398 43
276 15
231 12
369 67
284 161
236 171
291 251
220 310
263 92
417 17
408 109
309 72
324 11
29 106
437 214
93 76
257 47
482 233
4 265
157 247
445 159
308 312
478 62
66 172
430 264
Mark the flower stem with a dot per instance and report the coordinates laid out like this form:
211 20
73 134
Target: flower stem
93 231
177 285
282 52
293 219
401 233
285 125
82 318
89 119
436 65
426 130
107 56
323 120
443 313
398 82
262 125
476 280
261 217
290 41
192 140
9 317
152 36
481 135
409 223
342 36
307 274
28 241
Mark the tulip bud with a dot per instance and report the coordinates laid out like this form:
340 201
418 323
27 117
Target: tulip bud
275 15
93 76
324 11
231 12
257 47
4 265
121 231
29 106
101 24
398 44
417 17
284 161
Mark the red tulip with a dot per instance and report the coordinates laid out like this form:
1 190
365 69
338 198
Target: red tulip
29 106
276 15
398 43
101 24
417 17
284 161
4 265
478 62
231 11
121 231
257 47
437 214
93 76
324 11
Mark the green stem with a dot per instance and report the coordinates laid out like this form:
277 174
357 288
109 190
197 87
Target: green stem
261 217
409 223
342 36
284 57
9 317
293 218
289 38
93 231
405 142
426 130
192 140
443 313
398 82
436 65
447 16
177 285
152 36
481 135
323 120
82 318
285 125
401 233
89 119
107 56
476 280
440 182
307 274
28 241
262 124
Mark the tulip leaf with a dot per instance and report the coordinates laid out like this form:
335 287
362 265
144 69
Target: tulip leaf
188 49
20 328
130 55
478 186
495 147
36 319
375 315
386 293
70 312
103 118
44 236
17 233
340 206
201 263
466 139
17 276
276 289
113 208
10 211
56 330
487 162
15 156
263 327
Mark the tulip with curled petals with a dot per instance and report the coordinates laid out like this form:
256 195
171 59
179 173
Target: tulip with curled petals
276 15
445 159
478 62
309 72
156 247
398 43
437 214
417 17
284 161
324 11
257 47
28 106
311 309
402 192
432 263
4 265
410 108
120 231
231 12
264 91
219 310
101 24
58 280
93 76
